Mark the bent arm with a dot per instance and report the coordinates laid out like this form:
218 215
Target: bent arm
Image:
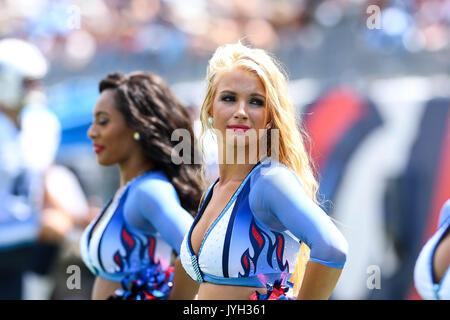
285 199
159 204
319 282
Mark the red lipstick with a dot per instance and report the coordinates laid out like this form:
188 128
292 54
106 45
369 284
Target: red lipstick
238 127
98 148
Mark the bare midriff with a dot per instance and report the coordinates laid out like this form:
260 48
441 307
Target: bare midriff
211 291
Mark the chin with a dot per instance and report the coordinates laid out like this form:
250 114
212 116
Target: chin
238 142
242 139
105 162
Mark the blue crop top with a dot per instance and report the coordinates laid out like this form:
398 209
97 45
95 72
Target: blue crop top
257 237
142 226
424 279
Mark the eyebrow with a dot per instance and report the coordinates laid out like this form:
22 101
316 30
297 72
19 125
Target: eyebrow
99 113
252 94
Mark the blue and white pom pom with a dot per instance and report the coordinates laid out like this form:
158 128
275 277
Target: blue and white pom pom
275 291
152 283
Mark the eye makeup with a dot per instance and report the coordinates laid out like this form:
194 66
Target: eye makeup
255 99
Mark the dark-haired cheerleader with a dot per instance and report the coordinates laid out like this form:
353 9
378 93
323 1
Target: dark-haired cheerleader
129 245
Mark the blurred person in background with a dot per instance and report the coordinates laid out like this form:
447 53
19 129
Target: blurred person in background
65 214
431 273
148 216
260 213
31 225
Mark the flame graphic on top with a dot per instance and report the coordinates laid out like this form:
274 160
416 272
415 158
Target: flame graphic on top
129 243
258 240
279 247
151 249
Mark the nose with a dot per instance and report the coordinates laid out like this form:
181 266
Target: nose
91 133
241 110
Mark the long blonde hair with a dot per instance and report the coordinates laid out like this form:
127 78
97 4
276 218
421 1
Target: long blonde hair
292 151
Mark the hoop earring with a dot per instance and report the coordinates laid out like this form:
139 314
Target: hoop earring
136 136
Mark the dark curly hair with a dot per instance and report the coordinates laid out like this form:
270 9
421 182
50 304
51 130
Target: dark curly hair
151 109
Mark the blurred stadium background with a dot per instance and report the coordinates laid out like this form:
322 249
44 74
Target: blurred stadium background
376 102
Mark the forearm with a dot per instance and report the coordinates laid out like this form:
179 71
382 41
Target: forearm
319 282
184 288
